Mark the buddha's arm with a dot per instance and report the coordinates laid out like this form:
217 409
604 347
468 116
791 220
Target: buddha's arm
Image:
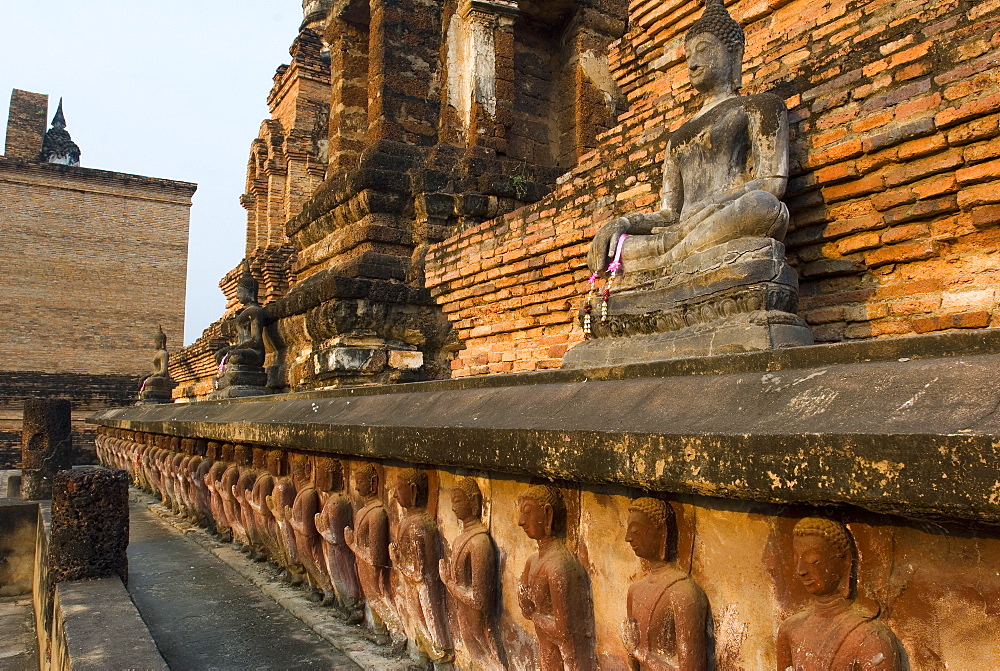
769 131
690 612
484 574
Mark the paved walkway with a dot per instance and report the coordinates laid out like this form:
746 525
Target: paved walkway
18 647
204 615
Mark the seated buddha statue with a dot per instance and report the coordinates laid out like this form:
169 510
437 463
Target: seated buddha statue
241 365
706 273
725 168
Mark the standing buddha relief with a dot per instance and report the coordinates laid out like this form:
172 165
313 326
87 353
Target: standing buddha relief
667 625
554 592
836 631
471 576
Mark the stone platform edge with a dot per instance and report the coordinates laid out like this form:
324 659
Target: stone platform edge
904 426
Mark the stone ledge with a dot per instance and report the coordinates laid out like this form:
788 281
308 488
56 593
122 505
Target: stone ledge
905 426
96 626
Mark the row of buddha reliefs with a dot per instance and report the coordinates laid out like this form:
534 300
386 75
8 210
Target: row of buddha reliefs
394 574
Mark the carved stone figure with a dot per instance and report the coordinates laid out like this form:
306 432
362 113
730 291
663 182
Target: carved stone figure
301 515
336 516
369 541
835 632
230 504
213 481
554 592
416 555
282 497
241 366
264 520
706 273
667 623
157 386
470 576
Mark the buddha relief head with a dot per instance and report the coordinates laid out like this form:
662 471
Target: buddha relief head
650 522
541 512
713 47
467 500
366 480
823 557
411 488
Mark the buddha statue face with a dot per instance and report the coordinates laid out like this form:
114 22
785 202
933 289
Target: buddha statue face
710 64
819 565
647 537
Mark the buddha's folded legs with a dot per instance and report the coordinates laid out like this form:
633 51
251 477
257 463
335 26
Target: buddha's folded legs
756 214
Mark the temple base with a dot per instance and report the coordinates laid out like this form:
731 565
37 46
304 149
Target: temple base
739 296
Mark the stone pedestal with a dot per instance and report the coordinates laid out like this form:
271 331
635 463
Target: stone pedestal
89 524
156 389
740 296
46 445
241 380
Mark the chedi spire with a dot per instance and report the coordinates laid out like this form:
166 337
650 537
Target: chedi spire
58 146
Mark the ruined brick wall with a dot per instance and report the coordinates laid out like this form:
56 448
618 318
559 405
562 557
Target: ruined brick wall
92 262
894 117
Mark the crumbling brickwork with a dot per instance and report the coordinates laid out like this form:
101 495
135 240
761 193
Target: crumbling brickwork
26 124
894 117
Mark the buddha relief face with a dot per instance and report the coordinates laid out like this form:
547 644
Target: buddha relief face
244 295
461 505
535 518
710 65
405 492
366 485
647 538
818 565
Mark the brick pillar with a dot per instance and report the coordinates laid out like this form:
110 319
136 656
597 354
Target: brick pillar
26 124
46 445
89 524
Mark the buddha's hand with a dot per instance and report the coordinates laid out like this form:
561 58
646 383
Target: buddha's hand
602 248
525 601
630 635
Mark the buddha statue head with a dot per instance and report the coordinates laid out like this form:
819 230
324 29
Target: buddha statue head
541 512
467 500
823 557
650 522
246 286
160 338
714 50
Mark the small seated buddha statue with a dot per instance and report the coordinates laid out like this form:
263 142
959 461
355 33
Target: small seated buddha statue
157 386
241 365
710 257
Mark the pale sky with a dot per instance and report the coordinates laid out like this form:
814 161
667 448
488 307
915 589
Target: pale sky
173 89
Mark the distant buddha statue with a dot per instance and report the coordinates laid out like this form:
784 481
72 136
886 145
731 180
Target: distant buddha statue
836 631
156 387
711 254
241 365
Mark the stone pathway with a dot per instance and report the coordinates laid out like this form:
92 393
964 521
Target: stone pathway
204 615
18 647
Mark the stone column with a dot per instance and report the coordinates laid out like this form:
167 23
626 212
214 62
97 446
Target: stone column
46 445
89 524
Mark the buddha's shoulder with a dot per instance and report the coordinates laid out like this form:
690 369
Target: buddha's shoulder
765 100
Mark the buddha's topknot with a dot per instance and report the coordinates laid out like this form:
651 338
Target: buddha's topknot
834 533
717 21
